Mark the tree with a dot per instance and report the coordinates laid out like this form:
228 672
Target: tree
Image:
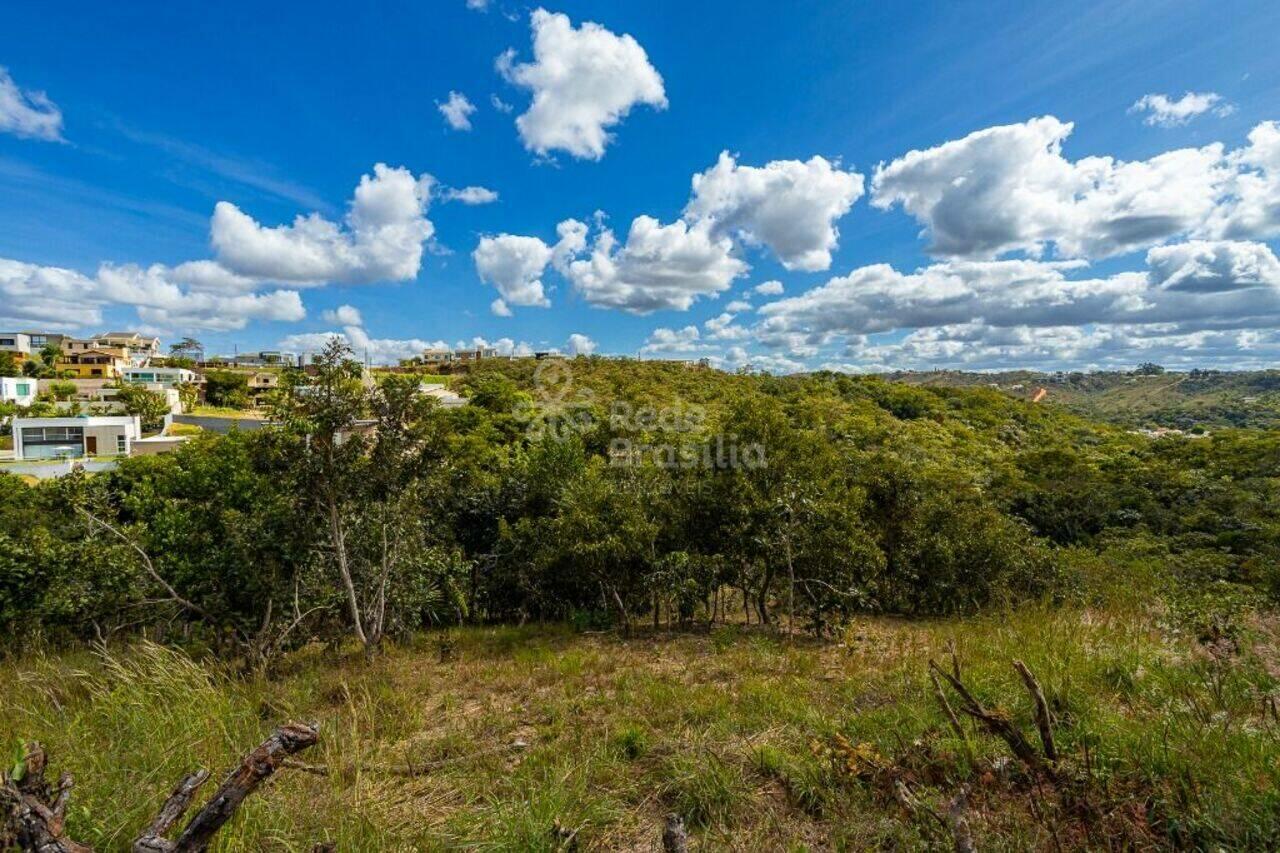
187 348
149 406
188 395
8 364
62 390
227 388
361 456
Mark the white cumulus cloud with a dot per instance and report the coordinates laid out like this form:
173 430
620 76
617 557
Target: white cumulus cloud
343 315
470 195
514 264
381 239
584 80
659 267
32 295
580 344
997 311
1009 188
665 340
788 205
1201 266
457 111
161 302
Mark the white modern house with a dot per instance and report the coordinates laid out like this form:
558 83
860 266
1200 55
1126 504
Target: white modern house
168 377
18 389
63 438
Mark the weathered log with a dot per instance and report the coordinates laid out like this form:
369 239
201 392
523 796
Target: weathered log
256 767
153 838
35 812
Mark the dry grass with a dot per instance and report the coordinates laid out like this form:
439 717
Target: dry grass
728 728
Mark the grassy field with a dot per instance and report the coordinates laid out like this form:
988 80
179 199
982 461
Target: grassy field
538 738
225 412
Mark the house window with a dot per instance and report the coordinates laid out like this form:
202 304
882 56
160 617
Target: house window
24 388
97 371
52 442
121 444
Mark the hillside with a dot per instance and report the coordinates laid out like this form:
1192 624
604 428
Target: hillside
1210 399
606 591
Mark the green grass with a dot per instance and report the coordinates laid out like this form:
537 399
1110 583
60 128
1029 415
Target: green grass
734 730
225 412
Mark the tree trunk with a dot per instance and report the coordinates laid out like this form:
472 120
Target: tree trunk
622 612
340 549
761 606
791 592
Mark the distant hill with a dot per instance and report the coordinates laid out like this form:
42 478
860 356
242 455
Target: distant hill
1206 399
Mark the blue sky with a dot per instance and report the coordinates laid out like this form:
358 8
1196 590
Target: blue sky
165 110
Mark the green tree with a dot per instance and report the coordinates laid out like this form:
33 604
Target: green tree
187 348
149 406
62 390
227 388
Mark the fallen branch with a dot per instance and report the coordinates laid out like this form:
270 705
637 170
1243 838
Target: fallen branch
950 713
1043 722
174 807
256 767
34 812
995 722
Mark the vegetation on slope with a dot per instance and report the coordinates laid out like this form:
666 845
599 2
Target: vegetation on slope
782 690
1198 399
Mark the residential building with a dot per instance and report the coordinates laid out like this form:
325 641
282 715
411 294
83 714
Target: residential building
21 390
141 348
437 356
70 345
466 355
40 340
263 382
265 358
109 394
18 343
92 362
61 438
165 377
462 356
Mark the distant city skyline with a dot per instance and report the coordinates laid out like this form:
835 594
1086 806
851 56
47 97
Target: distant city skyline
844 186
